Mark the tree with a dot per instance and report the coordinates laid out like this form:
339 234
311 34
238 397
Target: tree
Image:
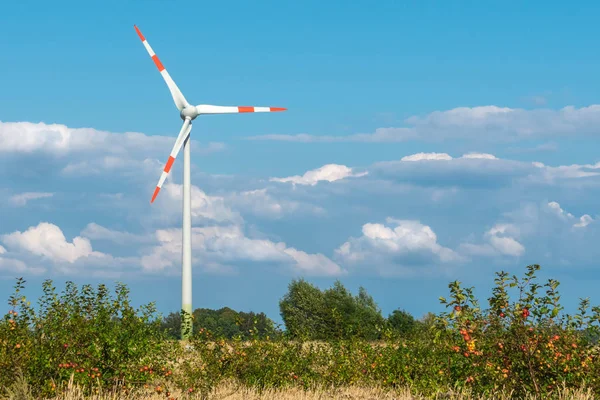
402 322
310 313
171 324
303 310
225 322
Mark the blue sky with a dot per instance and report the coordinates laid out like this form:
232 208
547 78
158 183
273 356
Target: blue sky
384 101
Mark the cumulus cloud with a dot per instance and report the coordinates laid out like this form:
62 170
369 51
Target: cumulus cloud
329 173
45 247
490 123
262 203
13 266
55 149
500 240
57 139
402 247
544 231
426 156
21 199
480 170
204 207
48 240
551 174
484 156
582 221
95 232
446 156
219 246
442 170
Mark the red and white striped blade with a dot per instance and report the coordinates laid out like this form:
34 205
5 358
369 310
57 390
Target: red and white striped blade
180 101
208 109
183 135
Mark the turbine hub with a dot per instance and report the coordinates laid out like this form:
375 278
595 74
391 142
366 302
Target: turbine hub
189 112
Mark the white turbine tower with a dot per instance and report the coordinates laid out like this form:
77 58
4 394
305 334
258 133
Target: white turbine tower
188 113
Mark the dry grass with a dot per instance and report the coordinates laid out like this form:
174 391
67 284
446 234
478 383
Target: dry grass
231 391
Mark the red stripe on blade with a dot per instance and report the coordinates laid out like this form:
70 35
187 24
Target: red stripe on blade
277 109
169 164
139 33
158 63
155 194
245 109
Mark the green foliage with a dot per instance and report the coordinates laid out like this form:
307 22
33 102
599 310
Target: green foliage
98 337
225 323
303 310
333 314
525 343
521 343
402 322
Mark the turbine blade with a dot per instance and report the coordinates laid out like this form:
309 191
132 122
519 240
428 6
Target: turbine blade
183 135
180 101
208 109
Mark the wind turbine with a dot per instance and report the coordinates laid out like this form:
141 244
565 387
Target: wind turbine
188 113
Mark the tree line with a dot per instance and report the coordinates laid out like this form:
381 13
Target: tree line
308 313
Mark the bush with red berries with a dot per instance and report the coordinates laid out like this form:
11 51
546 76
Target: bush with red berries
521 343
90 334
525 344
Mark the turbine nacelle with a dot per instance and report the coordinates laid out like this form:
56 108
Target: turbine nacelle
189 112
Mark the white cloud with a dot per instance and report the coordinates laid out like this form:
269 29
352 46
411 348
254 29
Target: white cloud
57 139
329 173
13 266
500 240
583 221
446 156
485 156
442 170
426 156
94 231
481 170
549 231
490 123
559 211
45 246
503 238
218 246
403 247
262 203
204 207
380 135
21 199
575 171
48 240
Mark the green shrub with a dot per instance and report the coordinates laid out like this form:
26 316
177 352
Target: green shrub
522 343
99 338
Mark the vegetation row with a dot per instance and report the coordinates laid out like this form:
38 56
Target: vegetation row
521 342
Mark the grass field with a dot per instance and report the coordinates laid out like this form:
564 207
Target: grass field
230 391
88 344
